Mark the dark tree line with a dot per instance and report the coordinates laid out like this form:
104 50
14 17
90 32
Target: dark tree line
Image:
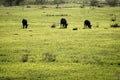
56 2
12 2
40 2
94 2
49 2
18 2
113 2
108 2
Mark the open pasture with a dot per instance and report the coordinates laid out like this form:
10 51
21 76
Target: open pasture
44 53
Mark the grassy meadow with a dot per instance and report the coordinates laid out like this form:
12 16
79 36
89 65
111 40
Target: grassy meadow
44 53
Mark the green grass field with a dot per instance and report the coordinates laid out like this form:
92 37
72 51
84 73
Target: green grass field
44 53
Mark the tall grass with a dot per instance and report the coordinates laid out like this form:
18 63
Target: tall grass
79 55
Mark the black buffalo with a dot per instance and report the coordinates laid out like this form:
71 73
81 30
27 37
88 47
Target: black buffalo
24 23
87 23
63 23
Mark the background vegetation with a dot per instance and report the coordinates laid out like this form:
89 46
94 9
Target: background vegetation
42 2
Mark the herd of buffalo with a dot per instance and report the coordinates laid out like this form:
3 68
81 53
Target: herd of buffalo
63 23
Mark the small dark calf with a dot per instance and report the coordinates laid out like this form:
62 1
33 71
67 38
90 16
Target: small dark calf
24 23
75 28
53 26
63 23
87 23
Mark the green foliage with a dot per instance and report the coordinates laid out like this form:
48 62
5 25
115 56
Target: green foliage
94 2
24 58
9 2
40 2
17 2
112 2
48 57
12 2
58 1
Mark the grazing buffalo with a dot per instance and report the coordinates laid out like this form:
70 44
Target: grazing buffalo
24 23
87 23
63 23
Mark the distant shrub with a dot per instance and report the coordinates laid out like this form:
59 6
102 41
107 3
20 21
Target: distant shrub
113 18
48 57
63 15
100 6
42 7
4 58
32 59
57 7
75 59
24 58
53 26
15 34
82 6
57 15
28 6
119 64
93 2
97 25
75 28
112 2
1 54
8 13
115 25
